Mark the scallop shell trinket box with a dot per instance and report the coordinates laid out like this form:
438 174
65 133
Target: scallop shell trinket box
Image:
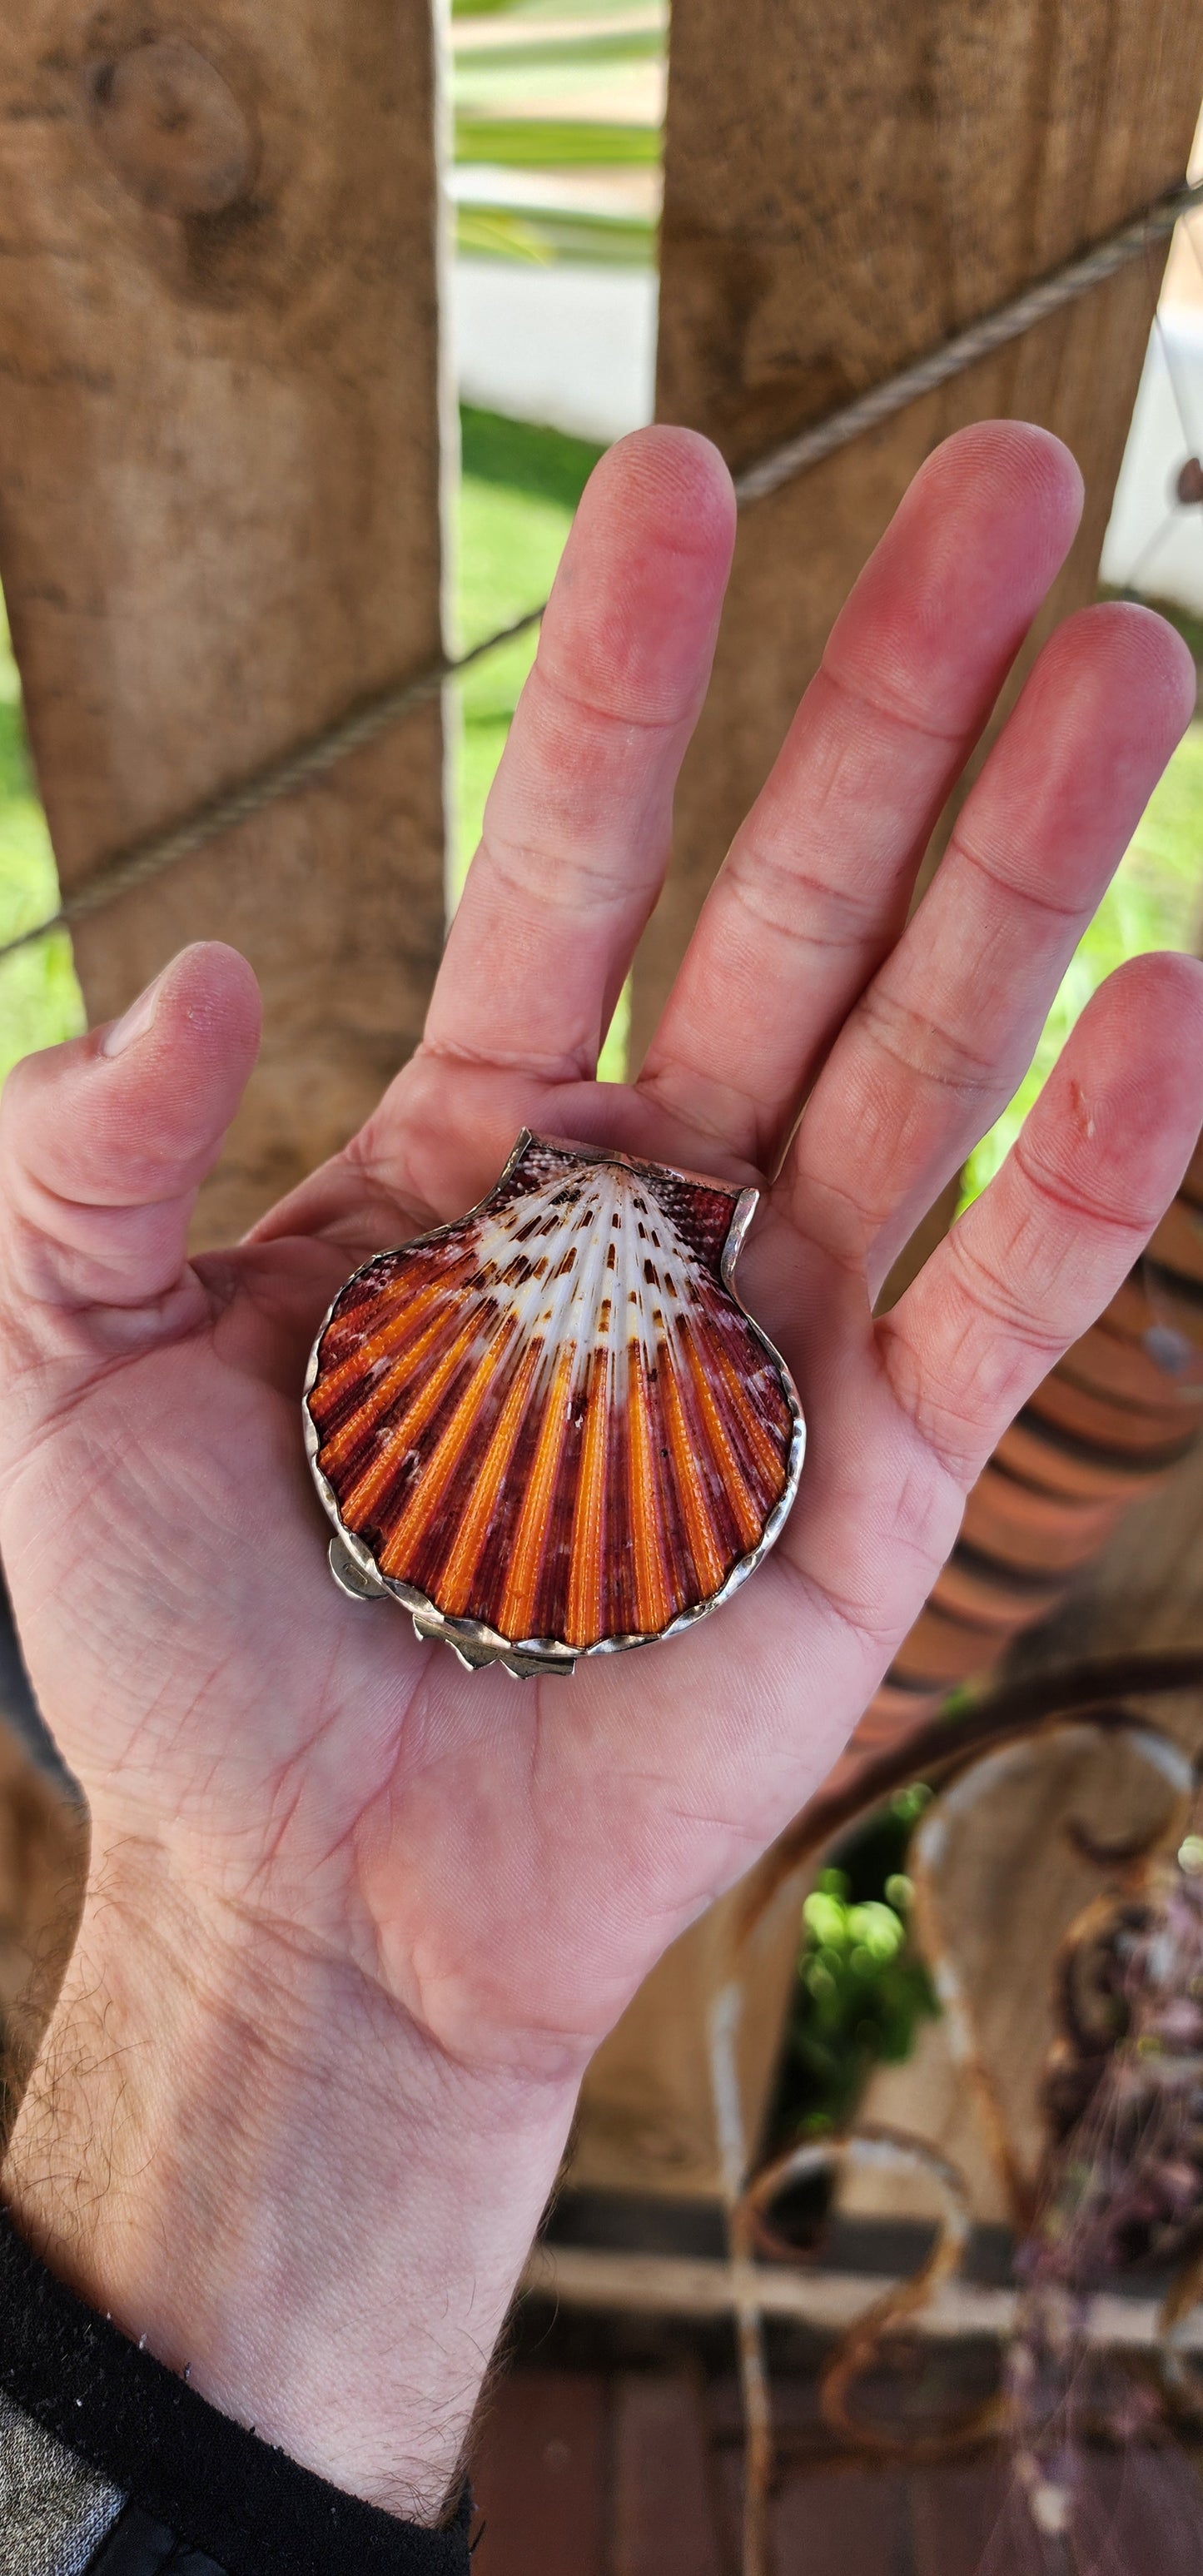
551 1429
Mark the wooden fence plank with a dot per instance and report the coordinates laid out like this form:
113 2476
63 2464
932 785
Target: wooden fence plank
845 187
219 504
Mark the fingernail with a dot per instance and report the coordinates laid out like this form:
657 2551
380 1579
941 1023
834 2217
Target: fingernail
133 1023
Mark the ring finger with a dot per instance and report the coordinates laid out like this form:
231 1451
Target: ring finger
945 1031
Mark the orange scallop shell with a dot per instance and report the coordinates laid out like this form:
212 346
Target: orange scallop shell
551 1429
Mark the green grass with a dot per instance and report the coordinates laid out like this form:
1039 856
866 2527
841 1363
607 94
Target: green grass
531 233
1153 901
40 1000
520 488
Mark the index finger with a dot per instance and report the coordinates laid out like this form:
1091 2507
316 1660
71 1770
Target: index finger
576 829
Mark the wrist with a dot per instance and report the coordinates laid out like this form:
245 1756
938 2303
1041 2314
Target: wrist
251 2159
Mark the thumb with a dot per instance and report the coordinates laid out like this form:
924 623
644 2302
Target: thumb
105 1141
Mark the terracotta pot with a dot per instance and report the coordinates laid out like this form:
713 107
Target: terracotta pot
1178 1242
1192 1179
1128 1370
1175 1304
1129 1312
1054 1459
1033 1531
1106 1422
891 1710
976 1587
942 1649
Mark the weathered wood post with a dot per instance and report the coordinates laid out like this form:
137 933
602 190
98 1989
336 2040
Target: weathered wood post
219 504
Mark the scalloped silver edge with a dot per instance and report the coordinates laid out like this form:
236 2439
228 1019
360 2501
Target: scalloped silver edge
472 1640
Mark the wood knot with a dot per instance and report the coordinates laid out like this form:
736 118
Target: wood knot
172 128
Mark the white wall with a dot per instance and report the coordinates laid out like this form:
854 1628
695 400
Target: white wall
569 345
1151 545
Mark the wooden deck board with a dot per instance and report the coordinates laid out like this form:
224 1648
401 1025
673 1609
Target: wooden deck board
848 2523
541 2476
956 2512
639 2473
663 2506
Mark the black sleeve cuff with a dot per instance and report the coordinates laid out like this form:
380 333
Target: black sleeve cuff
215 2487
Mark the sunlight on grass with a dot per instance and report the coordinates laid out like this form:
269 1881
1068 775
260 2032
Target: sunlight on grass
40 1000
1154 901
520 488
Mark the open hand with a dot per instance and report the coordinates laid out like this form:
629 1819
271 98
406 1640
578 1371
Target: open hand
357 1918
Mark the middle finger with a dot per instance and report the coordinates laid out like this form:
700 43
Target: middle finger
816 885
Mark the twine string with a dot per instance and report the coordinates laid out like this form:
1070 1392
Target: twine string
262 787
979 340
373 716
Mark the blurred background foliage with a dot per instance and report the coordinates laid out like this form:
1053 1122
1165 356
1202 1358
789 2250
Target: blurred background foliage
558 114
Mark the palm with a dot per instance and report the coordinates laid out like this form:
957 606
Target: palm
508 1858
478 1832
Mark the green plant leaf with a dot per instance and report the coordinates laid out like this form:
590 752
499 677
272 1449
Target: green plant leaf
542 233
555 143
631 45
495 232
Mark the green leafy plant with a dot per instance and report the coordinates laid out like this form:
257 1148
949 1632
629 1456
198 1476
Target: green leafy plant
862 1991
519 489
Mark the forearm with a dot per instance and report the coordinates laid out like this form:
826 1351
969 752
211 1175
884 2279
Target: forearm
250 2158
